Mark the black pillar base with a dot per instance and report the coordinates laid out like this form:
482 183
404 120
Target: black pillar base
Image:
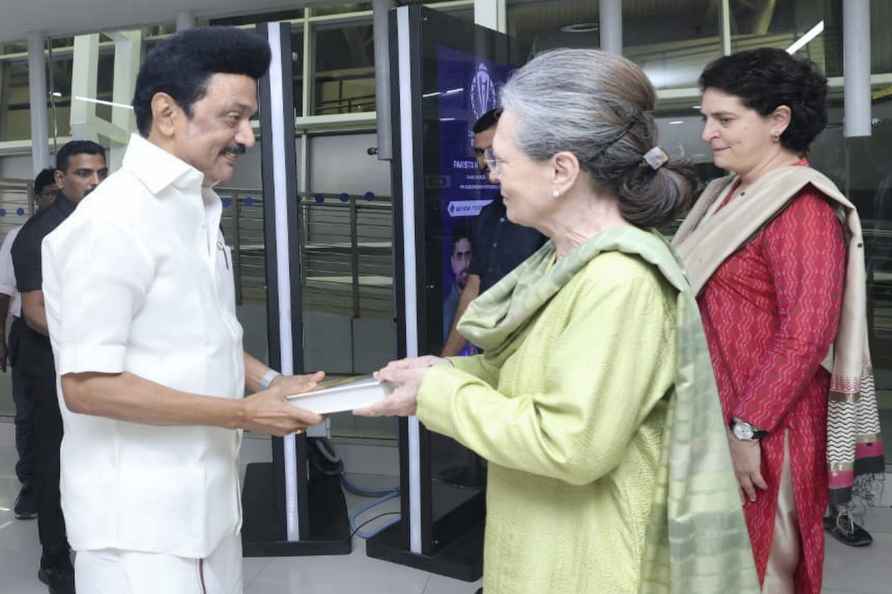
461 558
262 528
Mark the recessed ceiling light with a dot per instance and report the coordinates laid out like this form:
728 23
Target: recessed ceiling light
695 107
676 122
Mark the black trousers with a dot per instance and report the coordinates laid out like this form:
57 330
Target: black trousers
24 406
48 440
24 425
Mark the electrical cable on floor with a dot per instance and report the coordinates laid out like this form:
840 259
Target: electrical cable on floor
371 506
368 535
328 463
354 518
326 450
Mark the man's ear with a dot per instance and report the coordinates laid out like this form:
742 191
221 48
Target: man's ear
58 176
165 112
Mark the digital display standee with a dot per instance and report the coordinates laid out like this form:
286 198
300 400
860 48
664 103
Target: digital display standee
445 73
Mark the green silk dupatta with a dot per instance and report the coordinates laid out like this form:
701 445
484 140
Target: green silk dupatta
697 541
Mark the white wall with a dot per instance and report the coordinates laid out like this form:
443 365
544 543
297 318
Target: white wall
249 172
18 166
342 164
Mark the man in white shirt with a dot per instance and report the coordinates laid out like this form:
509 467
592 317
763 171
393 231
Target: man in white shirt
25 507
141 312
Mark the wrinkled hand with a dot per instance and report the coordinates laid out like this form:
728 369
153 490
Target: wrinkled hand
416 363
747 459
270 412
406 376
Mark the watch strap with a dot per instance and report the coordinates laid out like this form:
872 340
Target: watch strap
757 433
268 377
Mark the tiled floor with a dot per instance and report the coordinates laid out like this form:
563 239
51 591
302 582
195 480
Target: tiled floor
354 573
847 571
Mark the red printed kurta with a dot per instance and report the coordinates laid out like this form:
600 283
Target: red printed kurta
770 313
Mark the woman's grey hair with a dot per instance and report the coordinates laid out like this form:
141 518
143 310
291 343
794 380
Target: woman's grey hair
599 107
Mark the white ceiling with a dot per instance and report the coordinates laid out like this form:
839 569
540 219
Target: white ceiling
68 17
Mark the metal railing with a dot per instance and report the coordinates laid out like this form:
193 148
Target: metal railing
347 254
343 104
345 246
345 249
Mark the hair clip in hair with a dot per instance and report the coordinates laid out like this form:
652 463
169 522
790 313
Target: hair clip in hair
656 158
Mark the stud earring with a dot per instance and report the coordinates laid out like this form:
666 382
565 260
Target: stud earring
555 193
775 137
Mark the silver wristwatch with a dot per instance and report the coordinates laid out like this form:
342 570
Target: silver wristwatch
746 432
268 378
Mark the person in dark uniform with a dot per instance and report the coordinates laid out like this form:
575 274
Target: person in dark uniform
25 507
80 167
499 245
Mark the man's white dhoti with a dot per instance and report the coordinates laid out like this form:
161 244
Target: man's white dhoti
112 571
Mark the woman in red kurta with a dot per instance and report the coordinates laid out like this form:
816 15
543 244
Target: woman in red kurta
772 307
770 313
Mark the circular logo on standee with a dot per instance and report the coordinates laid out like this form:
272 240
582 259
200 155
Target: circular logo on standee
483 92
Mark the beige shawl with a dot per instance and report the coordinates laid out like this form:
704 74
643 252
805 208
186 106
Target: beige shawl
709 236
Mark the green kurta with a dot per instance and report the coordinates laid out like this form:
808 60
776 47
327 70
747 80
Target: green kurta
570 406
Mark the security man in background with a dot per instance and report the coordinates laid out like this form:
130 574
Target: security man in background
80 167
25 508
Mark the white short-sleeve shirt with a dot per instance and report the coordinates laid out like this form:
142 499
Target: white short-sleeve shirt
7 274
138 279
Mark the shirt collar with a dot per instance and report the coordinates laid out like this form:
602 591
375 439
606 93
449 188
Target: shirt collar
63 203
158 169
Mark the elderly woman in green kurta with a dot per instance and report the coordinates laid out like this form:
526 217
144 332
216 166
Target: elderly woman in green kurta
594 401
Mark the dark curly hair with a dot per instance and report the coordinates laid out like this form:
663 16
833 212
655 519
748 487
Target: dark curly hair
182 65
766 78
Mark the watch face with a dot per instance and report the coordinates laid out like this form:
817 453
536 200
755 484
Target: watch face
743 431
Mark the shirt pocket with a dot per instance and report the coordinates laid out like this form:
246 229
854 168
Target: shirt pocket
225 277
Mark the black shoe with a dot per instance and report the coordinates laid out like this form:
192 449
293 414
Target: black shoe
25 504
844 529
59 581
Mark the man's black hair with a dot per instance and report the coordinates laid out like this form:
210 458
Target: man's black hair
487 120
461 231
46 177
77 147
181 66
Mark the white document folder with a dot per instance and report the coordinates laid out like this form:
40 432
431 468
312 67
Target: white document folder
353 394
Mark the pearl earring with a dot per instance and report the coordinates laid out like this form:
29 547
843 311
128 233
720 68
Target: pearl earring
555 193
